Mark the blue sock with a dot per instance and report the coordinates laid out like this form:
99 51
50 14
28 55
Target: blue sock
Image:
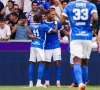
78 73
47 73
40 71
84 74
73 75
58 73
31 71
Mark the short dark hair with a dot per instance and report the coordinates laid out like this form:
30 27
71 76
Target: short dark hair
34 2
2 19
11 2
43 12
23 16
48 11
37 18
16 5
14 14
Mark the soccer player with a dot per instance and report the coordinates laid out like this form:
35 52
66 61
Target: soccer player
79 13
52 49
38 31
99 40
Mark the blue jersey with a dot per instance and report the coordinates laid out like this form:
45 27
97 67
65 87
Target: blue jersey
52 40
79 13
40 31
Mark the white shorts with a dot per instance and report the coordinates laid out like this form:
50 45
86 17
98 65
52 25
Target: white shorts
36 54
81 48
55 53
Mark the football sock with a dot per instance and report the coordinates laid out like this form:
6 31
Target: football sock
58 73
47 73
73 75
40 71
78 73
84 74
31 71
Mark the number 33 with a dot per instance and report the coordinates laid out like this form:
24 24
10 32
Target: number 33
80 14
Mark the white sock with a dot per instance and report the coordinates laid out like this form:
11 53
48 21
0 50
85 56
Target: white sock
47 82
38 81
58 81
80 84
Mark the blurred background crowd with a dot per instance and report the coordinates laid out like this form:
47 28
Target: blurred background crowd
15 14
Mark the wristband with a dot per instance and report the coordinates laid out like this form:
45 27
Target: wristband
55 22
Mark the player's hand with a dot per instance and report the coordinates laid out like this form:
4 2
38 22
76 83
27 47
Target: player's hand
32 36
99 49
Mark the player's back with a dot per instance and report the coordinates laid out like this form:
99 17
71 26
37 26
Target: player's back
79 13
40 31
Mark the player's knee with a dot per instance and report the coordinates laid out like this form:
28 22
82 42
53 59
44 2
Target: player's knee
84 62
57 63
47 64
77 60
32 62
71 65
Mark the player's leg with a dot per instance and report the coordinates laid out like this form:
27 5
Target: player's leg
74 84
40 59
48 56
76 50
32 61
85 70
87 47
57 59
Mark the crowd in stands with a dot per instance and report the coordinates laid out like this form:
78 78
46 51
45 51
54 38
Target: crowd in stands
16 14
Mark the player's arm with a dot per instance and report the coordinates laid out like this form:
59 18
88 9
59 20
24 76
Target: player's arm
94 19
63 20
29 32
98 41
66 33
55 30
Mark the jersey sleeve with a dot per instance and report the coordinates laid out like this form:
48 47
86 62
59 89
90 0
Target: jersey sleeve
93 8
47 28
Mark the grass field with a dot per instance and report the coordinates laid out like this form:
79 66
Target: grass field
49 88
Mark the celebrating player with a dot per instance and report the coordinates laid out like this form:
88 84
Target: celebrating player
38 31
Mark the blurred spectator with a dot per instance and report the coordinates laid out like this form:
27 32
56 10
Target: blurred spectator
32 12
8 8
5 31
18 2
1 6
58 7
27 5
17 10
64 3
20 29
44 4
13 21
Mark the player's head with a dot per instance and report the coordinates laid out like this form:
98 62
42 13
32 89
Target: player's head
50 15
37 18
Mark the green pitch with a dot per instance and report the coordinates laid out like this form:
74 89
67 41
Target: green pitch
49 88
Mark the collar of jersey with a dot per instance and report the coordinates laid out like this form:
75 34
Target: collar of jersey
48 22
